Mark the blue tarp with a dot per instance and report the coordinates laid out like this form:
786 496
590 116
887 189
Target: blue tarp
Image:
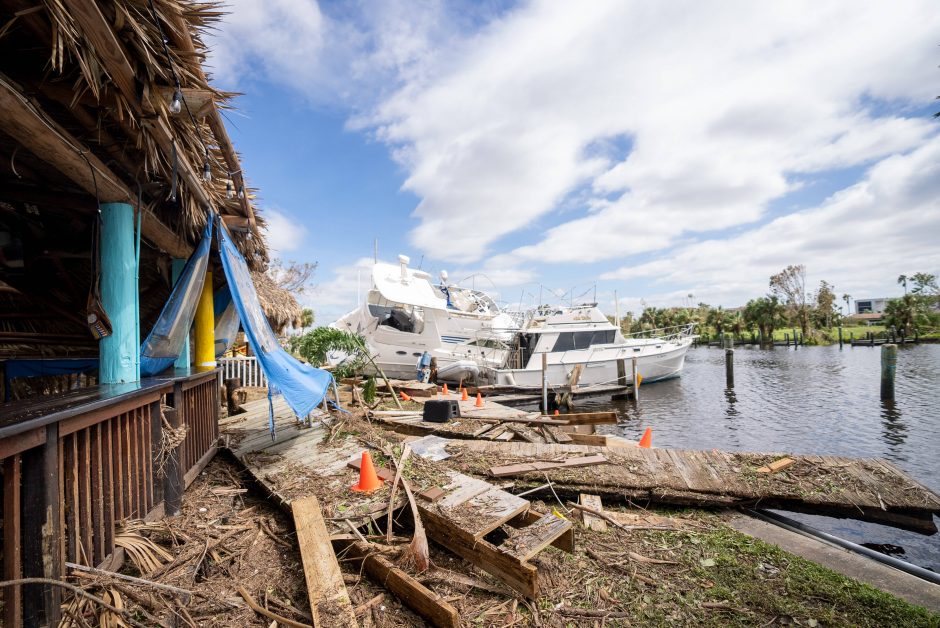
14 369
165 342
302 385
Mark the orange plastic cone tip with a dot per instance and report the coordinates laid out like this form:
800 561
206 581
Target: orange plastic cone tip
557 412
647 441
479 402
368 478
404 396
463 394
445 393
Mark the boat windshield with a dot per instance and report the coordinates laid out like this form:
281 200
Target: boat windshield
573 340
404 318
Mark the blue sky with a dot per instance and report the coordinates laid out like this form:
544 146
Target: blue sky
655 150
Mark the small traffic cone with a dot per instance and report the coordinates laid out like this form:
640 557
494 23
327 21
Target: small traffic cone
479 402
557 412
647 441
404 395
445 392
463 394
368 478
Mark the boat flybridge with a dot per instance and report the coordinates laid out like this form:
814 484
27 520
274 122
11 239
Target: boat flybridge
405 316
569 336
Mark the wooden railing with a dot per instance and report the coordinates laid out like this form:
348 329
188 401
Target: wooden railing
246 369
76 465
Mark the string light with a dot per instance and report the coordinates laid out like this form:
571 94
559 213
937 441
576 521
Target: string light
241 192
229 192
206 170
176 105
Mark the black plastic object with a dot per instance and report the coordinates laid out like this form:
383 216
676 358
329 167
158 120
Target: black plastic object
440 411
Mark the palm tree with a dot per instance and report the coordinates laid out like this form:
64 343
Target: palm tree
846 297
766 313
906 314
306 319
902 279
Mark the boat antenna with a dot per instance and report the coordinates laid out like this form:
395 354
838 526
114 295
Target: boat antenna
375 250
420 262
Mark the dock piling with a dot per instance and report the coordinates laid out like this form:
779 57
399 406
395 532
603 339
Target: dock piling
636 382
729 367
545 383
840 336
889 362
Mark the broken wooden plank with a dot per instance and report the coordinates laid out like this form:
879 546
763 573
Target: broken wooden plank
592 522
432 494
429 605
517 574
595 440
532 539
525 433
777 465
329 600
564 541
570 463
483 513
587 418
558 435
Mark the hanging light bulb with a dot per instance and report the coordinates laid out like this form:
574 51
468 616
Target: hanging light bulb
206 171
229 192
176 104
241 192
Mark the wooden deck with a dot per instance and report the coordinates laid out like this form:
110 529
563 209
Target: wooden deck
300 463
867 489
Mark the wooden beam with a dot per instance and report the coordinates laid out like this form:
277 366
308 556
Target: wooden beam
412 593
329 601
184 42
28 124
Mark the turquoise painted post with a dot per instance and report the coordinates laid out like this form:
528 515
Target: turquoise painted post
120 350
182 362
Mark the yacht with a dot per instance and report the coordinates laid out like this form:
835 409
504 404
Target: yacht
406 317
569 336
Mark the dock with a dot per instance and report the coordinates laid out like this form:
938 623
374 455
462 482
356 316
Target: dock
867 489
489 527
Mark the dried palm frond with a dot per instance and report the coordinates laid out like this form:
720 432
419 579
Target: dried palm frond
146 555
108 618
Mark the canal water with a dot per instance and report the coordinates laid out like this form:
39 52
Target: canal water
810 400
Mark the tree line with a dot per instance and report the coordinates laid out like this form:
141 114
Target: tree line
790 303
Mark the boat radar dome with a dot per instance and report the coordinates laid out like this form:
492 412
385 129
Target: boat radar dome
403 260
444 277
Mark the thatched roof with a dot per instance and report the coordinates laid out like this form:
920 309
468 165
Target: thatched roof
98 80
279 305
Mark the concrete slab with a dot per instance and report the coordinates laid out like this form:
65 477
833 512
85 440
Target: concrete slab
883 577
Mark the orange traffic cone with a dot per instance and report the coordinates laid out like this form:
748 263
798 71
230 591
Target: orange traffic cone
445 391
479 402
368 478
557 412
647 441
463 394
404 396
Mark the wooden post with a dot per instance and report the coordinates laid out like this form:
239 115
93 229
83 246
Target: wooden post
183 361
622 373
204 327
545 383
636 382
121 350
42 557
12 533
889 362
840 336
173 480
786 338
729 368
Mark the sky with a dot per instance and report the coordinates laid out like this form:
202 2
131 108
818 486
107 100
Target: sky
669 153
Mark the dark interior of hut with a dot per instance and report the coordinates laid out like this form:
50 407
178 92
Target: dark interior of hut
47 219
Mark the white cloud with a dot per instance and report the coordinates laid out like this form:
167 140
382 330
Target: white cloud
723 105
865 235
283 233
337 296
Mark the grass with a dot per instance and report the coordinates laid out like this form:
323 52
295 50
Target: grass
720 578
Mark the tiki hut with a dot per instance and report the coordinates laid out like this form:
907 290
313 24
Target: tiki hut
280 306
113 158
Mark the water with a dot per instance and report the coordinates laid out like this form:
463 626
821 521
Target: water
813 400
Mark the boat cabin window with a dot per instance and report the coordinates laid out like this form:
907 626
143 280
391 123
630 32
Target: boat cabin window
403 318
573 340
488 343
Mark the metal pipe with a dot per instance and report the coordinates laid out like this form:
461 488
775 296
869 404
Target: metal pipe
800 528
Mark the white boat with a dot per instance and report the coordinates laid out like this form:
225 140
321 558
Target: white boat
405 315
569 336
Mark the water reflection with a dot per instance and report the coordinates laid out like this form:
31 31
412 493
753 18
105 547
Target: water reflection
894 431
730 411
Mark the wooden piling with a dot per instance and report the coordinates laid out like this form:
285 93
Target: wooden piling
889 361
636 382
120 351
729 368
545 383
840 336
